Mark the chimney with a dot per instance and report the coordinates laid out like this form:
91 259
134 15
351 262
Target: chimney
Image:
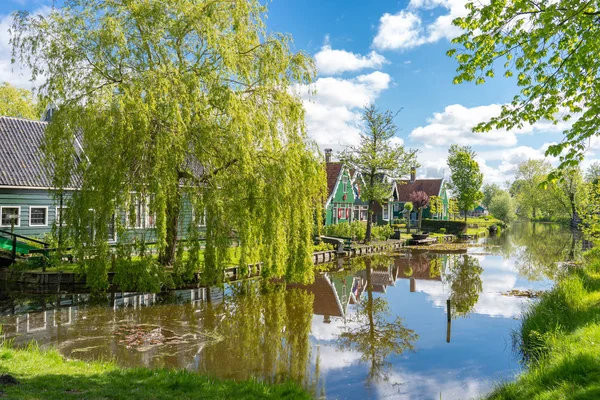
328 153
413 174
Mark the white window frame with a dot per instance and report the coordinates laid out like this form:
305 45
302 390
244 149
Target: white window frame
17 224
58 216
142 214
385 210
45 219
345 183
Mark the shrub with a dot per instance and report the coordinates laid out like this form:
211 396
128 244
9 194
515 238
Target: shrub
383 232
442 230
453 227
355 230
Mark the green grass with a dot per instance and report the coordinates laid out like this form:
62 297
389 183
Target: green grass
47 375
560 338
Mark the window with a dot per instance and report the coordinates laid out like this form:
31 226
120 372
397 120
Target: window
38 216
9 215
385 212
201 220
345 182
138 213
58 217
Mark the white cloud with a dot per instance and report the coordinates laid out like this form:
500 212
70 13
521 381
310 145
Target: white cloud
408 29
455 125
14 74
399 31
333 114
332 62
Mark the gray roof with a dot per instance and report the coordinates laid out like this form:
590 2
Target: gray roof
21 157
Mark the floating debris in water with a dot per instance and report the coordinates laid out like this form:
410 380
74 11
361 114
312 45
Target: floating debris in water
524 293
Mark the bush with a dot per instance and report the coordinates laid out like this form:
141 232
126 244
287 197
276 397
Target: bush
355 230
435 225
442 230
382 232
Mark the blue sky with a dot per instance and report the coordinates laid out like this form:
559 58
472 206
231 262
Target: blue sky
391 53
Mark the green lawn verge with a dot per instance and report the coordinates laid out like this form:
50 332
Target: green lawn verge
47 375
560 338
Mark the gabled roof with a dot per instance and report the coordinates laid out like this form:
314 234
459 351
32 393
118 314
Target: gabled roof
333 173
430 186
21 157
326 300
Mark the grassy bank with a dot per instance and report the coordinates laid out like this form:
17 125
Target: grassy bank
47 375
560 338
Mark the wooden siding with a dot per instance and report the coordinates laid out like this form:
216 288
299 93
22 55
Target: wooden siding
338 198
26 198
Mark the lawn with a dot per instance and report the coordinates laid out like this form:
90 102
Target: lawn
560 338
47 375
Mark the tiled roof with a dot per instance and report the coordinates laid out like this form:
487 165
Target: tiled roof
430 186
333 172
326 301
21 158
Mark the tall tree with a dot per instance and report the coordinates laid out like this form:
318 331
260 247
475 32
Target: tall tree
378 159
420 200
186 100
466 178
592 175
20 103
551 47
566 193
502 206
529 192
489 191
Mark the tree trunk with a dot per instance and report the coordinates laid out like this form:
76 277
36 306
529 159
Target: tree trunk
420 218
173 209
465 211
369 221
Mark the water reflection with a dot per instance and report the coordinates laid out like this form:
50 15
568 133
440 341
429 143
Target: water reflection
378 328
371 330
538 248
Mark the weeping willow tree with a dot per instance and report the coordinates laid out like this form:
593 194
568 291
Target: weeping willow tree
175 103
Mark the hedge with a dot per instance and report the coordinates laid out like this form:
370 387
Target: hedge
453 227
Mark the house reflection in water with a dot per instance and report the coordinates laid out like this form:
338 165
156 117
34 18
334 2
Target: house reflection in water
332 294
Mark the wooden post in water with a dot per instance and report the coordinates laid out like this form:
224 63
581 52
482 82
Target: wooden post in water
413 285
449 324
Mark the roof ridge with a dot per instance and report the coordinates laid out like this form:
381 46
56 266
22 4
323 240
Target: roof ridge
23 119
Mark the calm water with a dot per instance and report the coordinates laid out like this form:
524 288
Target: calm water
378 329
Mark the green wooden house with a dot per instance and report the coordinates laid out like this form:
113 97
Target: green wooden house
28 202
433 187
339 206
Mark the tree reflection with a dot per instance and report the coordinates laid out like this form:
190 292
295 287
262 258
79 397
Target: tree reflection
465 284
264 331
369 330
541 246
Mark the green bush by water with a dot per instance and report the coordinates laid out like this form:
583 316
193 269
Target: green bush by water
560 340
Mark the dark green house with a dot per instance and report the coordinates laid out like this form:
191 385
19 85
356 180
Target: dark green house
339 206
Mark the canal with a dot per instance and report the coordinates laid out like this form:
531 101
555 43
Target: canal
376 328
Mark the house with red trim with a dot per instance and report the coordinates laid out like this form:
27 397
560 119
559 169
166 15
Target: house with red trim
341 195
402 190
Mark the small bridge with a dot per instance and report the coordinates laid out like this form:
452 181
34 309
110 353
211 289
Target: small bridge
14 247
